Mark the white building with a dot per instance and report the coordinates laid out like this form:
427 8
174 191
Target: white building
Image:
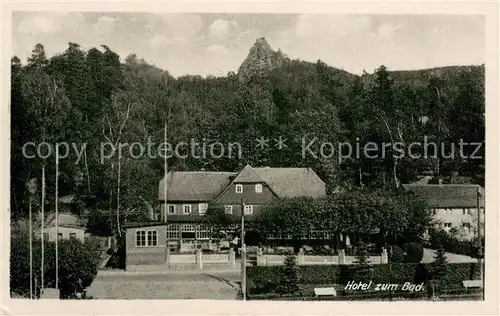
455 206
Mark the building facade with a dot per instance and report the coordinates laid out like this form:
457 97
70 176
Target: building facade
455 207
70 226
186 196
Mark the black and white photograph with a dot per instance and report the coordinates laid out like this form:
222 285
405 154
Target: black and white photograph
248 156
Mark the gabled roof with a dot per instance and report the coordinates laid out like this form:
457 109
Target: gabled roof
66 220
194 185
448 195
248 175
292 182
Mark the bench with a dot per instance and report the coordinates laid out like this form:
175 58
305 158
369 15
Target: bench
472 284
325 291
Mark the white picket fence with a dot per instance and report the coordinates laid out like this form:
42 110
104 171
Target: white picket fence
303 259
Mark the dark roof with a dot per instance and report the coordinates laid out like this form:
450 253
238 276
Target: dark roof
292 182
248 175
448 195
66 220
207 185
194 185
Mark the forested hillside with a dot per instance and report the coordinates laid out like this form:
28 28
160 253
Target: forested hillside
91 97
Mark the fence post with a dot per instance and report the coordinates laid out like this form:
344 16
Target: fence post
261 258
199 259
167 256
232 258
384 257
341 256
300 257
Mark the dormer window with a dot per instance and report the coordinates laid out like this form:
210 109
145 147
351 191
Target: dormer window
258 188
239 188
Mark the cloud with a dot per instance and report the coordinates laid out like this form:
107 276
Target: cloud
218 50
105 24
160 40
330 25
179 25
39 24
221 30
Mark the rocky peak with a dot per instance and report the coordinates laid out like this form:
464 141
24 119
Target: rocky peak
260 60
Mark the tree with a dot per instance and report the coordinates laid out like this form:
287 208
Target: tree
362 268
78 263
218 220
439 268
290 276
288 217
413 253
38 58
397 254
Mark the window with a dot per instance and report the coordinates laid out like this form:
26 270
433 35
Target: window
60 235
258 188
248 209
202 208
146 238
140 238
228 209
188 228
203 232
464 211
239 188
152 238
188 231
171 209
173 231
434 211
319 234
447 225
72 235
186 208
466 226
45 236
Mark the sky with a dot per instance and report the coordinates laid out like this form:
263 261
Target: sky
214 44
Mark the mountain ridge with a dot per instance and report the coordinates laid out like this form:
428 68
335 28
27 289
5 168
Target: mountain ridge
262 59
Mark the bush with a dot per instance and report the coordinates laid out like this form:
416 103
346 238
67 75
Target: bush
413 253
397 254
440 238
288 283
78 263
265 278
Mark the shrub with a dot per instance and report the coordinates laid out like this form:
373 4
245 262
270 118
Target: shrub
78 264
413 253
397 254
288 283
265 278
362 267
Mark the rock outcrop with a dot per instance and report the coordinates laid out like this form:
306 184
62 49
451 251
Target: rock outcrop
260 60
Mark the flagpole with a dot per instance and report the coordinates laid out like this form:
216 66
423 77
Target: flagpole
243 253
43 237
31 252
57 218
480 244
165 208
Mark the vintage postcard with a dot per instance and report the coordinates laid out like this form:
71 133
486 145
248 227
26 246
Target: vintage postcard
236 158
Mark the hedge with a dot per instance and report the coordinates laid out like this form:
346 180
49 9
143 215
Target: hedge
462 294
264 279
440 238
